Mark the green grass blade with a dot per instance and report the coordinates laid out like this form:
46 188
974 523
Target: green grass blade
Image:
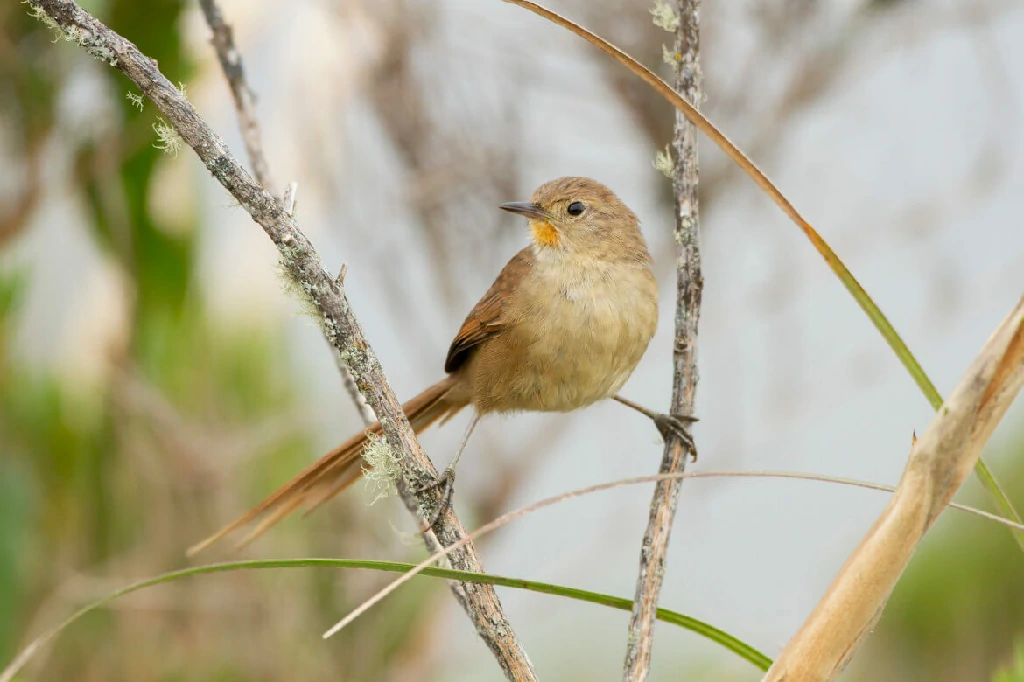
888 332
701 628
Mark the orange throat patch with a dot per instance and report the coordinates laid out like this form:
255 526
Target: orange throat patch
544 233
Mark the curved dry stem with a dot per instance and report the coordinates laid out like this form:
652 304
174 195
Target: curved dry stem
580 492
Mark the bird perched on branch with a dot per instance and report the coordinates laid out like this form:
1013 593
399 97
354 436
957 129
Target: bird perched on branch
563 326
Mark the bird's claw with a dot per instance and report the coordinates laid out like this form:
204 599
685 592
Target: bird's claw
677 426
446 482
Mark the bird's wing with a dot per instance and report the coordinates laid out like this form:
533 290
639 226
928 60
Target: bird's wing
488 316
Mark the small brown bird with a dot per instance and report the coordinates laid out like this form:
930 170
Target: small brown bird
563 326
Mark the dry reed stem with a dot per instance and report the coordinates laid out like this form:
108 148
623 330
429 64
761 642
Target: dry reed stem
939 463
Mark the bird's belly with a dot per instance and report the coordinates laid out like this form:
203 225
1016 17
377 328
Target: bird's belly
570 351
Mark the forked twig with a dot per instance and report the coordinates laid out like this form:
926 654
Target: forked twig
230 58
231 63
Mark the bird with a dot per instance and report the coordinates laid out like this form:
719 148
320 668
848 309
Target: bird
564 325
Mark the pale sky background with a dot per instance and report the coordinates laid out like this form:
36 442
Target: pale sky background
792 374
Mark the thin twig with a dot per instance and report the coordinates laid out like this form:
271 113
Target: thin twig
223 40
508 517
348 381
689 286
325 294
366 412
290 200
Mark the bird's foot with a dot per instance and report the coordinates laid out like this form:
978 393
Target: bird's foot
676 426
446 482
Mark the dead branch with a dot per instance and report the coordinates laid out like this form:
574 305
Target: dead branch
223 40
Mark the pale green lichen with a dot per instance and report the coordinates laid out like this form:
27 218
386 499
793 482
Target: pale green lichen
664 16
381 467
37 12
669 56
663 162
295 289
352 357
135 99
95 48
167 138
74 34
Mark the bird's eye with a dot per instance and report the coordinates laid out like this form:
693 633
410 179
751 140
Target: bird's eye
576 208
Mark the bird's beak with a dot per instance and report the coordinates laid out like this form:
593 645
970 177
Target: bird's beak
526 209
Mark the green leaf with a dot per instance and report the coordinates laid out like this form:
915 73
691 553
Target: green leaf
1015 671
701 628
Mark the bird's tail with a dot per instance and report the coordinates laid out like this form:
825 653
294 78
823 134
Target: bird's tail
340 467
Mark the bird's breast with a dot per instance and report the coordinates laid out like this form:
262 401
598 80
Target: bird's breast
580 330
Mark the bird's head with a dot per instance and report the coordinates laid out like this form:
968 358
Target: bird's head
582 217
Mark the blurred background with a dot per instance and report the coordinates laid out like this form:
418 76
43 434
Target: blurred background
156 379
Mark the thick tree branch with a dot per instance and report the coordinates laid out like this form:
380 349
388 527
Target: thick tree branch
325 293
689 285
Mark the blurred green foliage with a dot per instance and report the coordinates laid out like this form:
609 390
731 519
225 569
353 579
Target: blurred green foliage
118 478
959 607
1014 672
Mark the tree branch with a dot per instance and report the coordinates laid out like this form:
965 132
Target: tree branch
325 293
223 40
689 285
